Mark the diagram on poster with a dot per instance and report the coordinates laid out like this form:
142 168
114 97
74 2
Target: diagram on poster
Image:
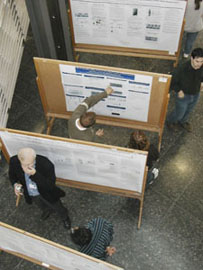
130 99
105 166
145 24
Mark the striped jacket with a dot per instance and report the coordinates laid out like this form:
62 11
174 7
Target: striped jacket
102 235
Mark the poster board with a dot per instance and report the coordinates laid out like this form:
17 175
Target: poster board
145 28
54 100
108 169
45 252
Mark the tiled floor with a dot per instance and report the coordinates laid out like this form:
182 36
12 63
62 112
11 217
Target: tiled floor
171 235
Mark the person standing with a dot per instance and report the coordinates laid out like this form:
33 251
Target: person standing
34 177
193 24
187 80
80 125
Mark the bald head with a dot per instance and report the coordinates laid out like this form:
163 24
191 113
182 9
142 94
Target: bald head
26 155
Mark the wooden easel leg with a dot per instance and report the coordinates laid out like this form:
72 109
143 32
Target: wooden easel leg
140 214
175 63
18 200
77 57
50 122
160 139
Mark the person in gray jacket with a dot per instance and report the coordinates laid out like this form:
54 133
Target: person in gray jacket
81 122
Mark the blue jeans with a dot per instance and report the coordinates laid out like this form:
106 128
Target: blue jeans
183 107
189 40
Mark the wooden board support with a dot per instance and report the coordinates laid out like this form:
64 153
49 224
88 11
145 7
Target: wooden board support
36 139
124 50
46 253
54 103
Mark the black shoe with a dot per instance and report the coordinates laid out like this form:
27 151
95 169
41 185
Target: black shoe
187 126
67 223
45 215
172 126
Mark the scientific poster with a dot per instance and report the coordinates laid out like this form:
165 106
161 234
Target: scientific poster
46 253
105 166
130 99
145 24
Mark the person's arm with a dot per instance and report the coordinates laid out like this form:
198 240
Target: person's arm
12 172
176 80
201 87
92 100
13 177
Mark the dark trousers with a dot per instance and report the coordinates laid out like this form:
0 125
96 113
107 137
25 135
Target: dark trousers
46 206
183 107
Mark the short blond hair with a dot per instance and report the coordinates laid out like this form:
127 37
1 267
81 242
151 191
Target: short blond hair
26 153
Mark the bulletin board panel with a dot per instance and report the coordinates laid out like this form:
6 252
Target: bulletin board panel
54 102
109 169
46 253
139 28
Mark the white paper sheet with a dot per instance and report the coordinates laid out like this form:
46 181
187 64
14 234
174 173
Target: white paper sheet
145 24
130 99
48 254
107 167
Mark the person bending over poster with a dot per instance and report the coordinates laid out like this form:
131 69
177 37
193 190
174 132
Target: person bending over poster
139 141
34 176
81 122
94 238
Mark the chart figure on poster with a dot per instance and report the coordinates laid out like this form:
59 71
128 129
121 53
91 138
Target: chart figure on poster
130 99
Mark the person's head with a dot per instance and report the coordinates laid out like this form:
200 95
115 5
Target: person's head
197 58
26 157
138 140
81 235
88 119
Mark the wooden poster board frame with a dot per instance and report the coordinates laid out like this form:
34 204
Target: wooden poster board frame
54 104
82 185
43 240
124 51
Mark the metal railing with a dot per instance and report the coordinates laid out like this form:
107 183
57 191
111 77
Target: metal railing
14 22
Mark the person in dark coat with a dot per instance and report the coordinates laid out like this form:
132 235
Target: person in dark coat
34 177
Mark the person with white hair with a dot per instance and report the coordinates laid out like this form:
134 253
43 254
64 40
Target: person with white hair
34 176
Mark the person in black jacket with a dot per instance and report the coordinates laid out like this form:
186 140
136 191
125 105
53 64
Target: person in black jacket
187 81
139 141
34 176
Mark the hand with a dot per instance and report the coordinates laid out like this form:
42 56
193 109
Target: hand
110 250
109 90
30 170
17 188
100 132
201 87
181 94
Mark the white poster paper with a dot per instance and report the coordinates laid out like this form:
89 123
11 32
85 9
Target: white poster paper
145 24
130 99
46 253
106 167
